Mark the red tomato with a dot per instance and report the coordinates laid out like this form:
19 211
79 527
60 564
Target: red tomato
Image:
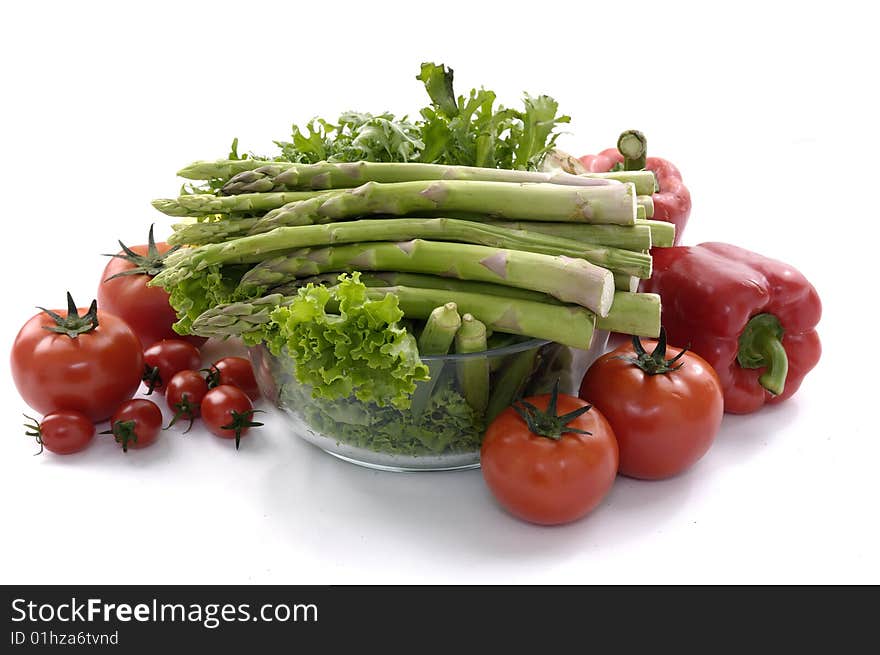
144 308
184 395
664 422
90 364
136 424
228 412
165 358
549 479
62 432
237 372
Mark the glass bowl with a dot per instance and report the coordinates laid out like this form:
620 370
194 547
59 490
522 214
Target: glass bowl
441 430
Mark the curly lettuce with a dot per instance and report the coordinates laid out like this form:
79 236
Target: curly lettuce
207 288
359 350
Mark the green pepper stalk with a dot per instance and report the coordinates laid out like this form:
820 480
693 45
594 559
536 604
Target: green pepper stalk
633 145
760 346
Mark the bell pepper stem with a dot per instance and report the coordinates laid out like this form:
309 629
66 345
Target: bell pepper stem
760 346
633 145
773 378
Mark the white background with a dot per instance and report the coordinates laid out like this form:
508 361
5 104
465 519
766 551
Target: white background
768 109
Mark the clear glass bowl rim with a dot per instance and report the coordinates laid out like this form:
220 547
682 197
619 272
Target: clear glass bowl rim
512 349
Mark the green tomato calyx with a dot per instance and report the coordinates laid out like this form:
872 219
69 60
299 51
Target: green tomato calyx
656 362
547 423
73 324
150 264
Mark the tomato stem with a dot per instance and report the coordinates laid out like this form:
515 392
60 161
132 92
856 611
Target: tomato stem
184 409
240 422
212 376
655 363
546 423
150 264
124 433
152 378
34 430
73 324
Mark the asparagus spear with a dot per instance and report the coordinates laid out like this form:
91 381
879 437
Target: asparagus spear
510 382
614 204
623 282
256 248
331 175
205 204
643 180
629 237
566 278
631 313
567 324
327 175
436 338
648 203
473 372
197 234
662 233
439 331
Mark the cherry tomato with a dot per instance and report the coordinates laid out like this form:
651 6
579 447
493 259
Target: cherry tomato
63 432
227 412
89 363
136 424
235 371
664 412
184 395
123 291
555 478
165 358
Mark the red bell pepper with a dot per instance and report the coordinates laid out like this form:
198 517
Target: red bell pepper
752 318
672 200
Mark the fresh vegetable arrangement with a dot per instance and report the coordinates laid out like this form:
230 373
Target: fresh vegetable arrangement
416 292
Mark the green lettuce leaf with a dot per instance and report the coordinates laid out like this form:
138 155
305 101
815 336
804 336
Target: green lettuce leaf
361 351
207 288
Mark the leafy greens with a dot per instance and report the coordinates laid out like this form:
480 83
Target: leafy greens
361 351
458 130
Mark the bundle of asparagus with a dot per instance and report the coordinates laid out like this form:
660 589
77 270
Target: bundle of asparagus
545 255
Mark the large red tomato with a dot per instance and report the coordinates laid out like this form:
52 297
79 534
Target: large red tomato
546 467
665 412
90 363
123 291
